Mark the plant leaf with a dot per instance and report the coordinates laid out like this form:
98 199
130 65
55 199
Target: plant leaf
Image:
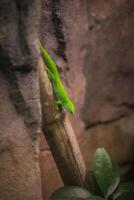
104 170
70 193
125 191
95 198
113 187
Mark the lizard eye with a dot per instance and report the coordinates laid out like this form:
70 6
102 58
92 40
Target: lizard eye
70 110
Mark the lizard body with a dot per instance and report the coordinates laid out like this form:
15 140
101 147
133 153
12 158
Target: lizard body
59 90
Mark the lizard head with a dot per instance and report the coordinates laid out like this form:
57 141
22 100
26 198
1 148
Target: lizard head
69 107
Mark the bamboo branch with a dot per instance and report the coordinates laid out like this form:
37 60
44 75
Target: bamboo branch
60 136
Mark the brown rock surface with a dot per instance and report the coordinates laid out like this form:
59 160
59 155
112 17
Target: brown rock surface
19 101
92 43
19 170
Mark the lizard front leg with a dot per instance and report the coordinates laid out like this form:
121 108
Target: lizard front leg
58 104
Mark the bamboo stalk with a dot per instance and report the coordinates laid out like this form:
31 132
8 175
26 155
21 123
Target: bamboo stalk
60 136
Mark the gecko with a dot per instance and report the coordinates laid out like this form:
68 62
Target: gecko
62 97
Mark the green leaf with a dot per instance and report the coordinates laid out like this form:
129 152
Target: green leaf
113 186
95 198
70 193
125 191
104 170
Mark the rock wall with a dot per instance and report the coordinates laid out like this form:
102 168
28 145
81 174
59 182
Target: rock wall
20 114
92 44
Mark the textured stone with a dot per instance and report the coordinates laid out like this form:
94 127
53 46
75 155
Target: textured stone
19 170
18 34
20 114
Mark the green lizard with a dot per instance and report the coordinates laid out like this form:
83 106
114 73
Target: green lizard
59 90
